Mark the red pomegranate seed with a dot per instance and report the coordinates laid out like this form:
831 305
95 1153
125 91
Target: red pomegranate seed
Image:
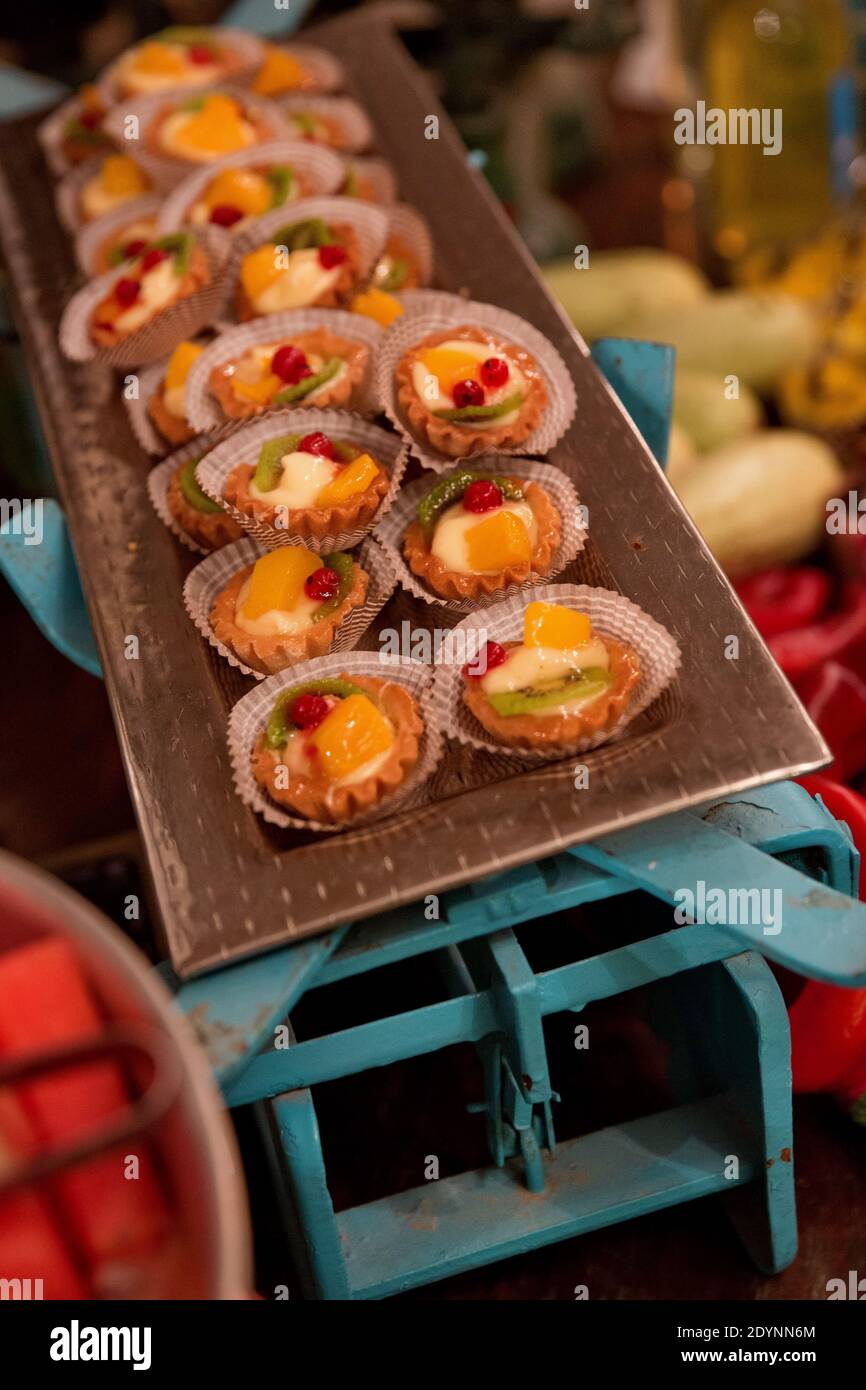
134 248
224 215
468 393
152 258
104 325
482 496
490 656
322 584
290 364
494 372
91 120
198 53
317 443
126 292
308 711
331 256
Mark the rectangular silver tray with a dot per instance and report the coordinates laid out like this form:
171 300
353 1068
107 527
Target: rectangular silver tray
226 884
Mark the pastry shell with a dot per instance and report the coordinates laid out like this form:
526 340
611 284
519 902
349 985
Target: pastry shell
314 798
196 276
451 584
271 654
319 341
461 441
530 731
208 529
171 427
336 294
313 522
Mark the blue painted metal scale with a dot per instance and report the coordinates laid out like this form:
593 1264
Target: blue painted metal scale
725 1015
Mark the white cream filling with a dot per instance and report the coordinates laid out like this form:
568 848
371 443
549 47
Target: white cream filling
303 281
194 74
276 622
171 138
449 538
532 666
96 199
302 479
157 288
428 387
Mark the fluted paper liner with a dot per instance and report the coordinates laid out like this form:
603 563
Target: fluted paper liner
143 427
412 328
319 168
158 337
158 480
50 131
250 715
390 530
68 192
213 574
355 128
248 47
407 223
328 73
164 168
375 171
203 409
369 223
92 235
243 447
611 614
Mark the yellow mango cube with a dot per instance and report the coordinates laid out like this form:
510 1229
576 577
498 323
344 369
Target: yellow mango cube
240 188
218 127
179 364
280 72
550 625
450 365
355 478
352 734
277 580
121 175
500 540
259 392
159 60
377 305
260 269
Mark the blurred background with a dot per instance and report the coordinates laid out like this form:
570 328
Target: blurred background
753 266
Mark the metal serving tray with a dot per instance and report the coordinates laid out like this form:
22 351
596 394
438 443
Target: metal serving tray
227 885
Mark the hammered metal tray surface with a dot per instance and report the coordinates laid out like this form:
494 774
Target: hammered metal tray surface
227 885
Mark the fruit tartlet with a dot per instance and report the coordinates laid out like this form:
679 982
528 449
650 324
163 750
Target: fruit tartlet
467 391
202 129
167 405
176 57
306 264
335 748
234 196
117 180
171 269
316 367
563 683
287 607
309 486
477 533
82 136
198 516
296 68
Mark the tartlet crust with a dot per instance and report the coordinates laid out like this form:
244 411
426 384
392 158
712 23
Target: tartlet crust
314 522
171 427
560 730
211 530
312 797
196 276
461 441
451 584
273 654
320 341
336 294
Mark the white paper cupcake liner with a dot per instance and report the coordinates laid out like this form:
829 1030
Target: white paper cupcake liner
369 223
250 715
243 447
390 530
611 614
166 170
157 338
356 130
204 411
248 48
50 131
328 74
213 574
320 169
145 431
407 223
411 328
93 235
375 172
68 192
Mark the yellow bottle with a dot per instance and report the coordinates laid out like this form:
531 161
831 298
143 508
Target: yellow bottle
784 57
